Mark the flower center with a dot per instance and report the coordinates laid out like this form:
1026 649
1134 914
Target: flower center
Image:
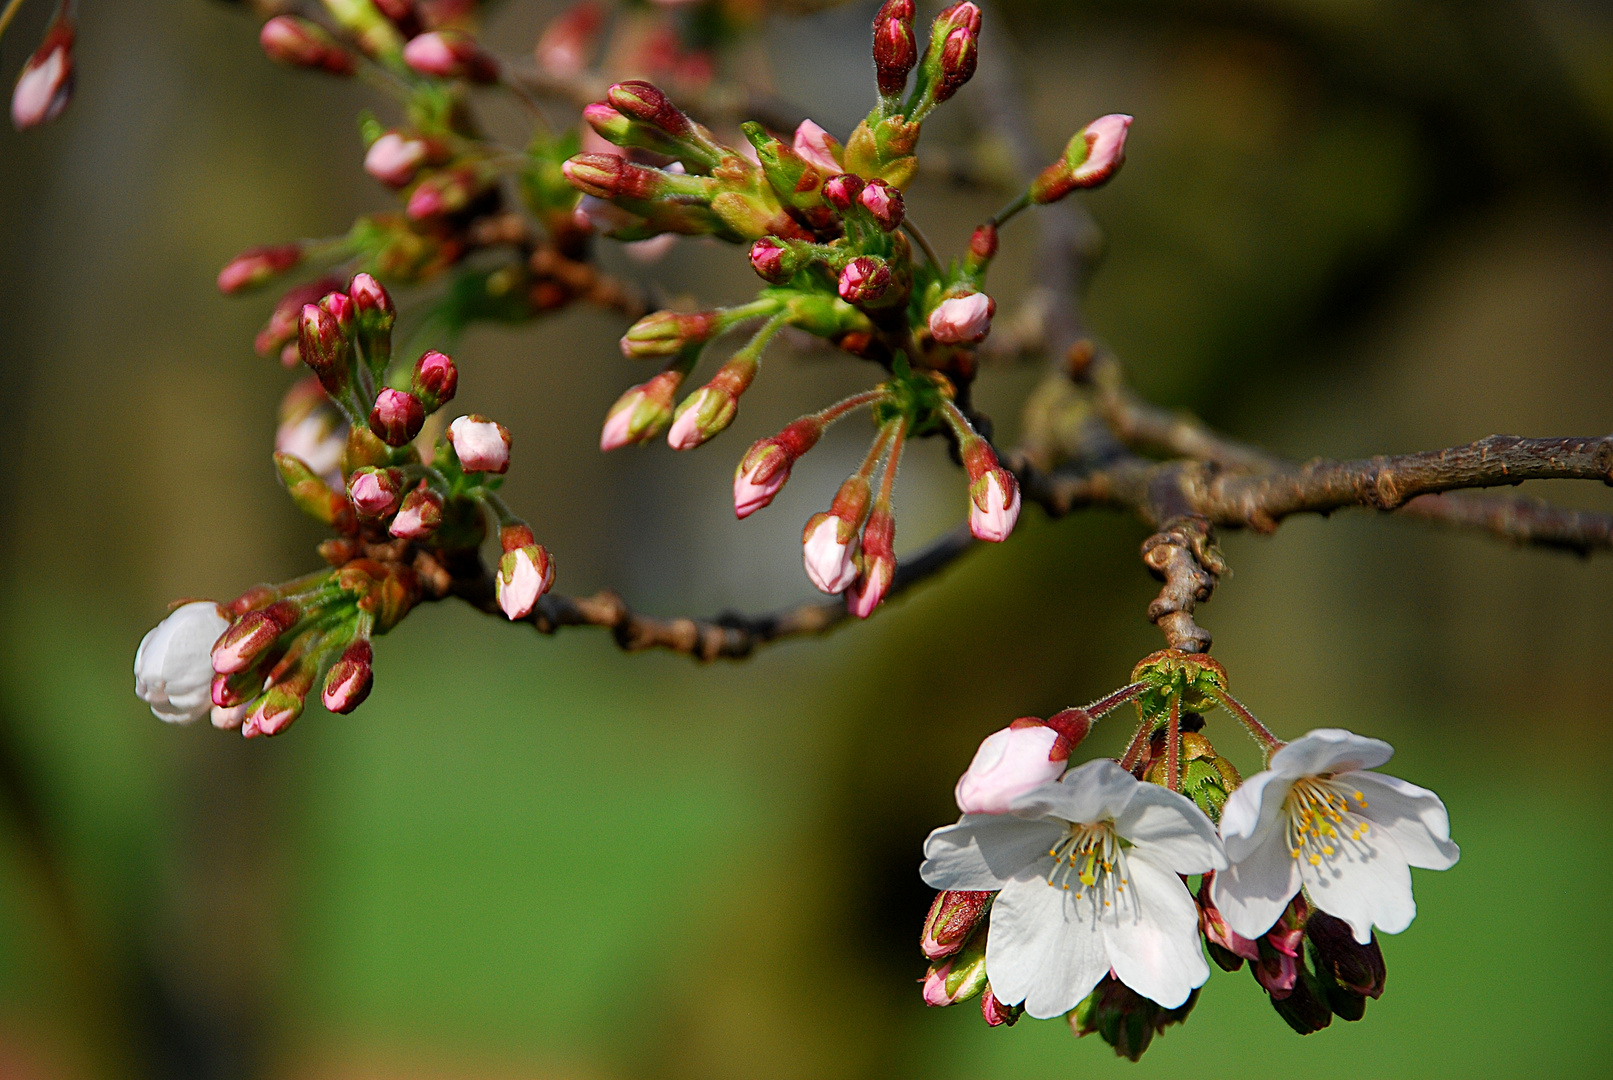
1320 818
1093 859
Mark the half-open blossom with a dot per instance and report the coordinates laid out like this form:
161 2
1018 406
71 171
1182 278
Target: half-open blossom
829 551
1021 757
173 667
523 575
1318 817
994 506
818 147
1088 871
482 445
962 320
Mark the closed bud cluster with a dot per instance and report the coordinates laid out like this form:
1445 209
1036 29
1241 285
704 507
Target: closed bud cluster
375 492
418 516
258 266
297 42
668 333
524 574
451 54
45 85
397 416
895 50
878 563
1091 158
952 919
763 470
435 380
482 444
963 320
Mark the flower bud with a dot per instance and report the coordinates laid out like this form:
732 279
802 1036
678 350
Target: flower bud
482 444
350 678
864 280
45 85
642 413
1091 158
297 42
667 333
995 1013
895 50
773 262
953 917
375 492
954 49
644 101
257 266
1304 1007
958 977
983 243
419 515
766 465
228 719
394 159
1021 757
702 416
817 147
1228 948
281 327
451 54
841 192
1124 1018
275 710
829 549
435 380
878 563
884 203
446 192
173 667
1346 968
323 347
994 505
397 416
239 647
318 497
568 42
962 320
523 575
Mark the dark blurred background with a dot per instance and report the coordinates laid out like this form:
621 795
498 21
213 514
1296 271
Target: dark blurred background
1344 228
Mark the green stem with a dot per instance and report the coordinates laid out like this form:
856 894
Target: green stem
924 245
1012 208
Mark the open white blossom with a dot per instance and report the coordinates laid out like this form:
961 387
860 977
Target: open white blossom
1317 817
1088 870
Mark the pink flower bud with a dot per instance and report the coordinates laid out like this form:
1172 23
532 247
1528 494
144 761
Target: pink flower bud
288 39
760 476
983 242
819 147
350 678
960 49
435 380
841 191
451 54
324 348
995 1013
864 280
668 333
257 265
828 549
375 492
878 564
394 160
895 51
228 719
884 203
958 977
642 413
952 919
397 416
994 506
703 415
962 320
482 445
1093 155
645 102
566 45
241 645
419 515
274 711
523 575
1216 931
1021 757
771 261
45 85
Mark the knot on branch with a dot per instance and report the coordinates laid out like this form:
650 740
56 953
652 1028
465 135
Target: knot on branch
1183 555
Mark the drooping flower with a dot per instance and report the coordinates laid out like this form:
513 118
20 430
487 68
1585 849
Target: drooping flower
1088 871
1019 758
1318 817
173 667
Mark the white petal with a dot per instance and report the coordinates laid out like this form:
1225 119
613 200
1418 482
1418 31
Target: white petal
1330 750
1252 892
984 851
1366 882
1041 951
1252 813
1153 938
1096 791
1414 816
1173 830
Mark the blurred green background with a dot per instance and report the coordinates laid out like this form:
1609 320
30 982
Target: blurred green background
1345 227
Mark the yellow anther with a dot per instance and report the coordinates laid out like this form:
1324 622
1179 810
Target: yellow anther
1316 860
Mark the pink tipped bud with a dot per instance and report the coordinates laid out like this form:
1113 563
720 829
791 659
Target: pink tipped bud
288 39
419 515
394 160
841 191
425 201
983 243
45 85
375 492
703 415
274 711
451 54
523 575
281 327
828 550
953 917
772 261
962 320
567 44
818 147
958 977
1218 933
884 203
667 333
1020 758
995 1013
760 476
228 719
241 645
396 417
482 444
516 535
878 564
644 101
257 266
642 413
341 308
435 380
864 280
994 506
960 48
895 50
350 679
1093 156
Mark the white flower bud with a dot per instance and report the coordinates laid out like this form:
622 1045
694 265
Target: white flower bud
173 668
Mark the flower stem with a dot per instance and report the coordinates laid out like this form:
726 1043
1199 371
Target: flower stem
1134 752
924 245
1012 208
1173 746
1115 700
888 483
1261 733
